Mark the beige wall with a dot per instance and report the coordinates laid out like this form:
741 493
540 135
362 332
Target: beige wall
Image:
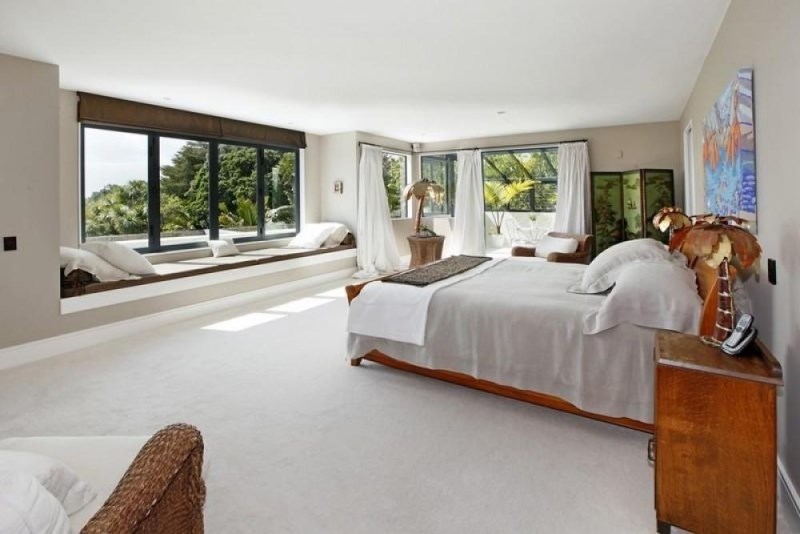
39 181
69 169
615 148
765 34
29 202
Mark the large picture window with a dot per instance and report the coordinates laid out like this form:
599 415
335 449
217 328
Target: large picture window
440 168
395 177
156 192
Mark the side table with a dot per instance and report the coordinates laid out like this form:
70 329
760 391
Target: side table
425 250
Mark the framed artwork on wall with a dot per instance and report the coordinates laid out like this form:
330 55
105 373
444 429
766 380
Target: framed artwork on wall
729 151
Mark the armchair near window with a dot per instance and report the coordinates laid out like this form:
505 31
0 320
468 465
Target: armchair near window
581 255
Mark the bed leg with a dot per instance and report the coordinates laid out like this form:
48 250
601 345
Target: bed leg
355 362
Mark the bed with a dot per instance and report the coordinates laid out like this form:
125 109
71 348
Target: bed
513 329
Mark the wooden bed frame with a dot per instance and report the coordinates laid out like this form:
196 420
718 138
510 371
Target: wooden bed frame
706 287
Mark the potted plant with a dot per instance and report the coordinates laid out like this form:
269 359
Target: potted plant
497 196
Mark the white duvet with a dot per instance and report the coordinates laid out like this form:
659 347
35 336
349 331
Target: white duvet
515 324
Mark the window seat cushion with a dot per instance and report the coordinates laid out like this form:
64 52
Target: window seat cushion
78 283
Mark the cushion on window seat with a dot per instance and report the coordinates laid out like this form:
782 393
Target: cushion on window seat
73 285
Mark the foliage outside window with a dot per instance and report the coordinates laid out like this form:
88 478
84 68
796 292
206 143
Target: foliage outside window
440 168
202 190
395 177
518 165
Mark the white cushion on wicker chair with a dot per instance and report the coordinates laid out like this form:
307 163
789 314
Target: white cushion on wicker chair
99 460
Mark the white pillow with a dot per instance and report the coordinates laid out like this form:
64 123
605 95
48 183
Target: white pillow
604 269
337 236
652 294
27 508
68 254
550 244
312 235
122 257
222 247
100 268
72 492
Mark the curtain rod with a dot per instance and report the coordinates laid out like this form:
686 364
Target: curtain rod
386 148
505 147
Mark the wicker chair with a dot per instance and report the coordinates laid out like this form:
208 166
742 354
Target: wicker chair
162 490
582 255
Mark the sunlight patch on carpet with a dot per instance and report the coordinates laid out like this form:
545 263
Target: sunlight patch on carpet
336 293
243 322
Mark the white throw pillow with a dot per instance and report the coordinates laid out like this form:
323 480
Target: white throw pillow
72 492
67 254
222 247
27 508
337 236
550 244
312 235
604 269
122 257
653 294
100 268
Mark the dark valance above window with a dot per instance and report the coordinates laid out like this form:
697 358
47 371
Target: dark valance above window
114 111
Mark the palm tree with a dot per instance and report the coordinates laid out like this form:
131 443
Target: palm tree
498 195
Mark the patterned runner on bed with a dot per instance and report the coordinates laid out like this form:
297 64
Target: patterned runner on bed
438 271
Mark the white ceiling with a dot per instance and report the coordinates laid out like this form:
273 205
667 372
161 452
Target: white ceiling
419 70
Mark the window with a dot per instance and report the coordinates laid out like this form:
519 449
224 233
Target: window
158 192
281 194
395 177
183 191
440 168
537 164
238 212
115 187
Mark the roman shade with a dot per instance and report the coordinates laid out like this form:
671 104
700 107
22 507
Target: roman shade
114 111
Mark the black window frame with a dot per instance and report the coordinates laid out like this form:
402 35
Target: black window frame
539 180
154 187
451 162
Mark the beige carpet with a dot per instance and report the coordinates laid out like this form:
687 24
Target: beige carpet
299 442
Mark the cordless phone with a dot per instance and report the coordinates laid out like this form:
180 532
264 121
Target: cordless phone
741 336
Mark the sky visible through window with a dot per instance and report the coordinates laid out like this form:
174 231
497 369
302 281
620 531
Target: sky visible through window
116 158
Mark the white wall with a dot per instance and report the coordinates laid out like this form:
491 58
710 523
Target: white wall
765 34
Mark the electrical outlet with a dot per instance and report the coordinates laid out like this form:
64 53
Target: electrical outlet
772 272
10 243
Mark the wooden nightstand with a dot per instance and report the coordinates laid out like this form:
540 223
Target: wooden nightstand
715 437
425 250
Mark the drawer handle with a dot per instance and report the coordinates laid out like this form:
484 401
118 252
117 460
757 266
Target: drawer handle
651 450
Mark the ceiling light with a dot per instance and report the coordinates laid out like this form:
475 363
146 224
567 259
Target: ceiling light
501 112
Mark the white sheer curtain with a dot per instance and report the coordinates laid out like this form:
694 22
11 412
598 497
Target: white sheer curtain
573 187
376 250
468 227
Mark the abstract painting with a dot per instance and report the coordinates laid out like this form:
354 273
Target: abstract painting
729 151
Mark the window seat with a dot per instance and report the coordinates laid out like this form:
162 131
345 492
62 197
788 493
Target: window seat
79 283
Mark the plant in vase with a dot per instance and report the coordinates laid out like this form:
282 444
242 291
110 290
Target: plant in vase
497 196
420 190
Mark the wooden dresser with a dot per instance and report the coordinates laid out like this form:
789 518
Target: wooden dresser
715 437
